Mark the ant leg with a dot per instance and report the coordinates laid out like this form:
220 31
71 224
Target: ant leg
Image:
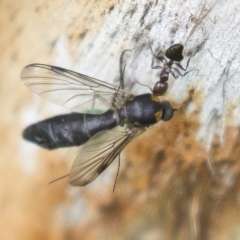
162 59
155 67
122 69
158 56
190 71
179 73
180 66
144 85
173 74
176 73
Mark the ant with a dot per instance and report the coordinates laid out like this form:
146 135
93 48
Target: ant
174 54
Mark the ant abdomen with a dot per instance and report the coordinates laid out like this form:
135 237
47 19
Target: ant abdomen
160 88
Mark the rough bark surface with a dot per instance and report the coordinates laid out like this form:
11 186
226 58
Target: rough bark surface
179 180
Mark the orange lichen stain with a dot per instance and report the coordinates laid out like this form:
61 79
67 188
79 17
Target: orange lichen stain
91 15
164 185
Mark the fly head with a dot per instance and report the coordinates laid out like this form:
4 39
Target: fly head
168 111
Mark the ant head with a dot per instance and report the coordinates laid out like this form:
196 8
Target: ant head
167 111
174 52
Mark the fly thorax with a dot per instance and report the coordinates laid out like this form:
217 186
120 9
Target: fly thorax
144 109
122 116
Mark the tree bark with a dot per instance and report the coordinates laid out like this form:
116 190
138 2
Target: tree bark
179 180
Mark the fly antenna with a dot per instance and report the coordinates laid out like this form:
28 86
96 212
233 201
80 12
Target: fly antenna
58 179
115 182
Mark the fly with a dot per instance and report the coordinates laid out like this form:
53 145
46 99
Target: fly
110 107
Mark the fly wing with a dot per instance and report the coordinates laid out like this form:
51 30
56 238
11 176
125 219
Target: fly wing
70 89
98 153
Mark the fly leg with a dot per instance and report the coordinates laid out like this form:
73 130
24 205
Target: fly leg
115 182
122 68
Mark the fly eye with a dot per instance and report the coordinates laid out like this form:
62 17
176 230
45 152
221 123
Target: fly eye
167 111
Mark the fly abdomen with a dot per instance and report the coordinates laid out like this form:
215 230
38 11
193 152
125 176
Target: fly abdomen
69 129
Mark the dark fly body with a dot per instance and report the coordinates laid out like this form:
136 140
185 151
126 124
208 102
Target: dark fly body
69 129
109 107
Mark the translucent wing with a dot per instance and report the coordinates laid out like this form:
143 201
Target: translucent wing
99 153
72 90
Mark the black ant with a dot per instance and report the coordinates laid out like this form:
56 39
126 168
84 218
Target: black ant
174 54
